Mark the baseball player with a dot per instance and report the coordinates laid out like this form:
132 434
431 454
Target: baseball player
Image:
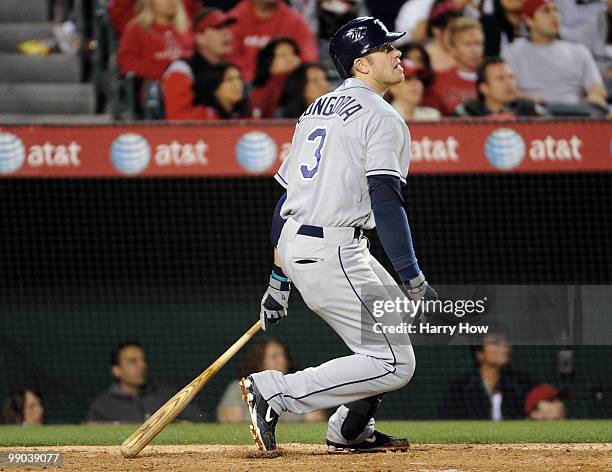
349 155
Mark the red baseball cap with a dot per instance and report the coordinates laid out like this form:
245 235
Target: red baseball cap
214 18
444 7
530 6
542 392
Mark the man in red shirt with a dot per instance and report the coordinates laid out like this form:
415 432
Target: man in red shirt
180 82
458 85
258 21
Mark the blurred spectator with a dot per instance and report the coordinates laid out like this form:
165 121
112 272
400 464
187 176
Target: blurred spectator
442 13
414 14
275 62
159 35
267 354
65 19
418 55
121 12
131 399
585 22
498 96
458 85
492 390
304 85
412 19
181 82
23 406
550 69
407 96
545 402
330 16
306 8
609 38
213 35
502 26
259 21
222 91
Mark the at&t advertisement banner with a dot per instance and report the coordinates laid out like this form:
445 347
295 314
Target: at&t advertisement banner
258 148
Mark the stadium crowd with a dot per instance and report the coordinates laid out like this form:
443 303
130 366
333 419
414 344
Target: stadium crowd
492 390
498 59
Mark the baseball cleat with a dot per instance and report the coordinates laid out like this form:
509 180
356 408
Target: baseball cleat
378 442
263 417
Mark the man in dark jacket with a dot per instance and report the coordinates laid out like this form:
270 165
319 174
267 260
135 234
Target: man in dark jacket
131 399
492 390
498 95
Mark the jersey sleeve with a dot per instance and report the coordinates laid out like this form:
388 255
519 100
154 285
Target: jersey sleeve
281 175
387 148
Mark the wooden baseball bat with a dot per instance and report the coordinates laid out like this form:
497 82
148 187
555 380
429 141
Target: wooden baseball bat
173 407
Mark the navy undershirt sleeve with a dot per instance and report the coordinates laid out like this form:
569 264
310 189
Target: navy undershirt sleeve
392 224
277 221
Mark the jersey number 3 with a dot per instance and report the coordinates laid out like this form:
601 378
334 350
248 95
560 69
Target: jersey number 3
318 133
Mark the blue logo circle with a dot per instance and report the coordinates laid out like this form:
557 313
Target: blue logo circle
256 151
130 153
12 153
505 148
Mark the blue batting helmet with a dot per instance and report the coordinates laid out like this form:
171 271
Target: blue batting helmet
356 38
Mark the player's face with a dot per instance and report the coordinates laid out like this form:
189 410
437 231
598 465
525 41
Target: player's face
384 65
500 85
468 48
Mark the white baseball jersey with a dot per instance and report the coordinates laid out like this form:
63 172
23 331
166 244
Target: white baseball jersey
341 139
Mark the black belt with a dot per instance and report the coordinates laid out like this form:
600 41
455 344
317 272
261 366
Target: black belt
317 231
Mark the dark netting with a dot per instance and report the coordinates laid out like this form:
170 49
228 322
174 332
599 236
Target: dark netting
180 264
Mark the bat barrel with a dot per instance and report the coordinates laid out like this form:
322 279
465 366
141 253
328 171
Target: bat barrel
173 407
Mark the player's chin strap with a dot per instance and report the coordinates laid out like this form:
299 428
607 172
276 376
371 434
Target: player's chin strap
359 415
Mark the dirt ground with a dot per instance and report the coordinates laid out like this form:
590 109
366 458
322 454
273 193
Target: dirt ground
313 458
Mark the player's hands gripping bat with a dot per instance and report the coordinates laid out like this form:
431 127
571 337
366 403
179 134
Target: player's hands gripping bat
275 301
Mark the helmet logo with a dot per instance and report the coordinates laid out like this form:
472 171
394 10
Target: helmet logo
381 24
356 34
